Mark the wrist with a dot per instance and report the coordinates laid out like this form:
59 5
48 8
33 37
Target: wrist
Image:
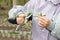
51 26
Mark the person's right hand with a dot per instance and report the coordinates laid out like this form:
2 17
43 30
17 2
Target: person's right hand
20 19
43 22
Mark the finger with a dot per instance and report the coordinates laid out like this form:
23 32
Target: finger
43 21
46 19
44 25
40 25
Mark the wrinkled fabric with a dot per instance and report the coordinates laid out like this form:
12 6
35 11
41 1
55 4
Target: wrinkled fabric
45 7
55 1
56 31
39 33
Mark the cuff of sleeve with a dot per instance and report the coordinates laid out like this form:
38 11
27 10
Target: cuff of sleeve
51 26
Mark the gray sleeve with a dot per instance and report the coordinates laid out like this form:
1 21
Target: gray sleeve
51 26
56 31
14 11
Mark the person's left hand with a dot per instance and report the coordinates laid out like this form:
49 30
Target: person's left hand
43 22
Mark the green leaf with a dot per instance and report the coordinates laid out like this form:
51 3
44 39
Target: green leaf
29 13
1 0
40 14
13 32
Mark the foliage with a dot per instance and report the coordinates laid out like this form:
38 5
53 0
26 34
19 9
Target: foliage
1 0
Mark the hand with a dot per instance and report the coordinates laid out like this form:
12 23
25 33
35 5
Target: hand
20 19
43 22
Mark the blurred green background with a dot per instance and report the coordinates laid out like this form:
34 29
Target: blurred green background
5 5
